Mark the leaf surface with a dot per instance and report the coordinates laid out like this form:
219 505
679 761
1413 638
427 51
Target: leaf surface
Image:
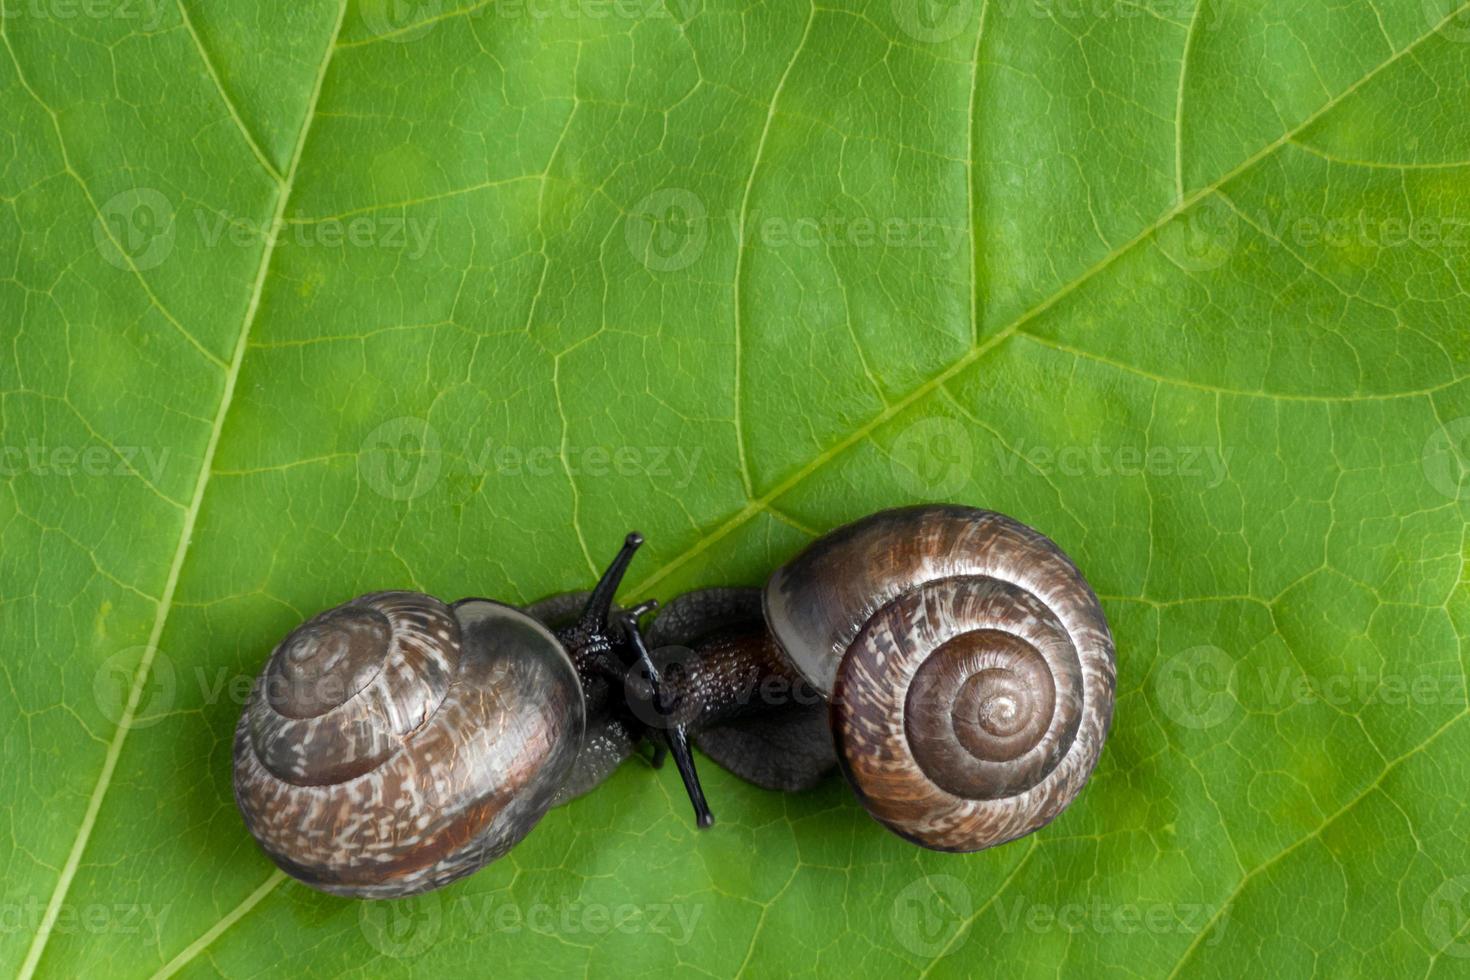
301 301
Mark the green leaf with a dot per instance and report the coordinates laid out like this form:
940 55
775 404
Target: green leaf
300 301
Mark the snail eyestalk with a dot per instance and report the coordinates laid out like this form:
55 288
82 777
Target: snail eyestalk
599 603
684 760
673 735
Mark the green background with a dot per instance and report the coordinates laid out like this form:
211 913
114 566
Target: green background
301 300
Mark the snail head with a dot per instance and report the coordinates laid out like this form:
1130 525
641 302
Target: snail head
611 644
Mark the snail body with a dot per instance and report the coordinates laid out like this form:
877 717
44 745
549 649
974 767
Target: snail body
952 662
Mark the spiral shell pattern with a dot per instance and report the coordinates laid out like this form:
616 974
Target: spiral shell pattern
395 743
969 666
342 691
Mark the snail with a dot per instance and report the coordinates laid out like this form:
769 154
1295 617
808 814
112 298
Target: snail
396 743
951 662
968 663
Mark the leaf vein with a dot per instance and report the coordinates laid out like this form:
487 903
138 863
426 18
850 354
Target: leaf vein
1291 848
209 67
186 533
102 223
755 164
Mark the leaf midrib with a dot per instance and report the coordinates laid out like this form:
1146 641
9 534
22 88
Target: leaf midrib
186 532
751 509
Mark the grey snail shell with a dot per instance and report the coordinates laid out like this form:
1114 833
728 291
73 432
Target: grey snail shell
396 743
968 664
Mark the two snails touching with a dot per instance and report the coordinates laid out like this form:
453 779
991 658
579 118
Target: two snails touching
951 661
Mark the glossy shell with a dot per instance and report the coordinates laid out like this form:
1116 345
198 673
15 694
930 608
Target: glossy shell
394 744
969 666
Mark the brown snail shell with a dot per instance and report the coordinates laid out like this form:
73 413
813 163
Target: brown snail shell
395 743
969 666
